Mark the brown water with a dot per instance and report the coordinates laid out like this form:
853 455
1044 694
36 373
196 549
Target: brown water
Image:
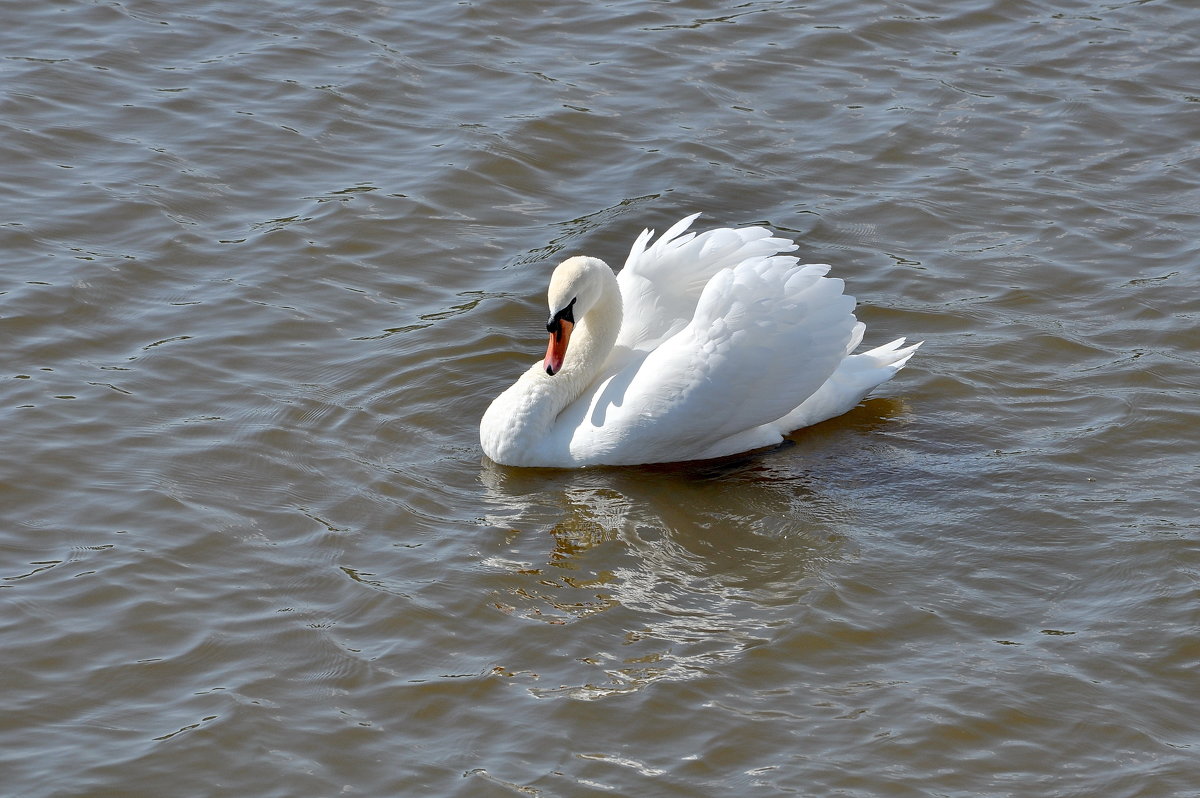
265 264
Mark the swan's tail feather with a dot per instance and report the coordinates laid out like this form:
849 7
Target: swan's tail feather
854 378
892 355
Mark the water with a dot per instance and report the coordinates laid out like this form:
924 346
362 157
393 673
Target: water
265 265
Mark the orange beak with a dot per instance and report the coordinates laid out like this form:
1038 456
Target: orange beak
556 349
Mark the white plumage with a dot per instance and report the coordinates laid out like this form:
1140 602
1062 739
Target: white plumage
704 346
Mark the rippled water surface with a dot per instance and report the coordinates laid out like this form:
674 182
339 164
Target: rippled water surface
265 264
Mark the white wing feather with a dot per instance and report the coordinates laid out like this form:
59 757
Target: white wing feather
661 284
731 369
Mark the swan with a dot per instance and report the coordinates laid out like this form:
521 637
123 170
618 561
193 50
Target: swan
703 346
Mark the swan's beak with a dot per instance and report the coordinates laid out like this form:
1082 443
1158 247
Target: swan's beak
556 349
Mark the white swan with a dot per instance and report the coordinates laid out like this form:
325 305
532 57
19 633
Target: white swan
705 346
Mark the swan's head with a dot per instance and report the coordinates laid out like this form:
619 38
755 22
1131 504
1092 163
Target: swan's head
575 287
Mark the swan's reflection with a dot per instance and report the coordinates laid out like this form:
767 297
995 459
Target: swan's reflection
670 569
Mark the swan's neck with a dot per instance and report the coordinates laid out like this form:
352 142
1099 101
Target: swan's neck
520 422
591 343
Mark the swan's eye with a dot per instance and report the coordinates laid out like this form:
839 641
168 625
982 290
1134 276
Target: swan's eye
566 314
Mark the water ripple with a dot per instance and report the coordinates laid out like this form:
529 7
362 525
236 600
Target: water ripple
265 266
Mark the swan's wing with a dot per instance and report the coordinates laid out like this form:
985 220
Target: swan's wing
765 336
661 282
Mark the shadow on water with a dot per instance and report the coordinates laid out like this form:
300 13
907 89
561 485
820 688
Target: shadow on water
675 567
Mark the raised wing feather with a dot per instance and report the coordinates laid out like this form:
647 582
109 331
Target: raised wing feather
661 283
764 336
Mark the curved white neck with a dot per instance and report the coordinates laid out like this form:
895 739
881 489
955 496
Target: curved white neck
521 419
591 342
